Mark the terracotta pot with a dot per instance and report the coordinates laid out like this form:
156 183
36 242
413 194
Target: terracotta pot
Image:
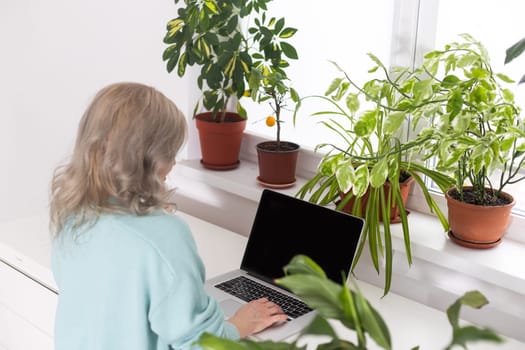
394 210
220 141
477 226
277 166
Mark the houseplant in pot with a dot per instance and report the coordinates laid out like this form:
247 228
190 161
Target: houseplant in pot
211 35
335 301
364 173
476 134
269 83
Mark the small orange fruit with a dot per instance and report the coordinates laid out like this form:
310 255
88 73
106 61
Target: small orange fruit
247 93
270 121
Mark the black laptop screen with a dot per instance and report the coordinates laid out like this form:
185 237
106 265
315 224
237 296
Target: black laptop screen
285 226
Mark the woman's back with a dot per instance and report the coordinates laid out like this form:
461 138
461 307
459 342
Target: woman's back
131 282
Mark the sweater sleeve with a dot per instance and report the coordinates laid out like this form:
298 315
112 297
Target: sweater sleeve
185 311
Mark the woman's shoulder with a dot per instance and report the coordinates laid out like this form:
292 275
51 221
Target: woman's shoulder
164 234
158 224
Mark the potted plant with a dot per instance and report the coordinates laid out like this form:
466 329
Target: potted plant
336 301
269 83
210 34
365 172
476 134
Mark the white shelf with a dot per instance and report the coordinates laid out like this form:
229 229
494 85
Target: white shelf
241 181
503 263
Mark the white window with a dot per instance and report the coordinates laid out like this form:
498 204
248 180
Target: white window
497 26
399 32
337 30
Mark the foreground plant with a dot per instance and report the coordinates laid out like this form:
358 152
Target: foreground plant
333 301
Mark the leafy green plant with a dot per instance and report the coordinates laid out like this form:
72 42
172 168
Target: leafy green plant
268 79
334 301
369 120
210 34
271 84
475 126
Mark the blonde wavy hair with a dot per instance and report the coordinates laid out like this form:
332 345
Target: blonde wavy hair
128 132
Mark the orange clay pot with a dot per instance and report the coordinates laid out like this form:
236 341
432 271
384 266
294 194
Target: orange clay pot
477 226
394 210
220 141
277 165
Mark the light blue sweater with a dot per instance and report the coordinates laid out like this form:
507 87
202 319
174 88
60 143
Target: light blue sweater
131 282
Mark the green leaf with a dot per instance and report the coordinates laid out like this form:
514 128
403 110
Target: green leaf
514 51
169 52
319 293
352 102
341 91
287 33
241 111
345 176
422 89
505 78
473 299
464 335
361 180
480 73
450 81
289 51
508 95
393 122
172 62
479 94
333 86
373 323
173 27
379 173
466 60
211 5
455 103
366 123
506 143
182 65
277 24
376 60
320 326
304 264
350 309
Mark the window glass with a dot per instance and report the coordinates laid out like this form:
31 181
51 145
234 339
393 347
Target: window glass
338 30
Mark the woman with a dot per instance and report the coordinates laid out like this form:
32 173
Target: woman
127 268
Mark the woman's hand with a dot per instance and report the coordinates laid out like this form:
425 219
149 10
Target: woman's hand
256 316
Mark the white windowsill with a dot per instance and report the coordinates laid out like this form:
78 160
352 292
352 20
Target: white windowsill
503 263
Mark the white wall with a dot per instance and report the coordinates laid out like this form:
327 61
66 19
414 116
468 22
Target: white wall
54 56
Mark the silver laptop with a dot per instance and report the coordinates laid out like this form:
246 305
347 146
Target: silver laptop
285 226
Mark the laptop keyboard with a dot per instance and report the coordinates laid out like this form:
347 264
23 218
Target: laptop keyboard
248 290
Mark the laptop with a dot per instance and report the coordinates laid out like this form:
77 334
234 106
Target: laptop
285 226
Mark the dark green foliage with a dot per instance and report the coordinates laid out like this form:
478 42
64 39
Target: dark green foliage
209 34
